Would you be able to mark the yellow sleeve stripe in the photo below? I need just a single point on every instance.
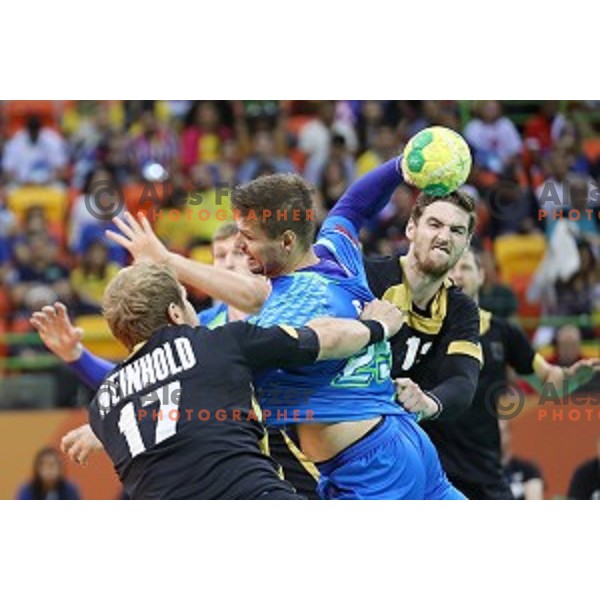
(291, 331)
(538, 363)
(468, 348)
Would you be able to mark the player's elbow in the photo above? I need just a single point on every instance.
(252, 298)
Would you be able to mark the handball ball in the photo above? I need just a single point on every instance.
(437, 160)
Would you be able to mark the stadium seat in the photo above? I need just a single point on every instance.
(202, 254)
(98, 338)
(591, 148)
(54, 202)
(17, 111)
(519, 255)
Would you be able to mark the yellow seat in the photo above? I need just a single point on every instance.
(202, 254)
(519, 255)
(98, 338)
(54, 202)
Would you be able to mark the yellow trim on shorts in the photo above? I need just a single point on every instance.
(308, 465)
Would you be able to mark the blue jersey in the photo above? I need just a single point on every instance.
(215, 316)
(331, 391)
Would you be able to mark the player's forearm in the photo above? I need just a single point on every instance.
(369, 194)
(456, 391)
(244, 292)
(342, 338)
(91, 369)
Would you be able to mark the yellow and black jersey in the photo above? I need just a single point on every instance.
(437, 348)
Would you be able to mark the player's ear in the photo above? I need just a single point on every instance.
(410, 229)
(175, 314)
(288, 240)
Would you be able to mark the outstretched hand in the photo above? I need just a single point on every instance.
(138, 239)
(583, 370)
(79, 443)
(57, 332)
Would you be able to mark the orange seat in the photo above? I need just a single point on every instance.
(17, 111)
(591, 148)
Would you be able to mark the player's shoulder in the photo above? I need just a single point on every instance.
(460, 305)
(383, 272)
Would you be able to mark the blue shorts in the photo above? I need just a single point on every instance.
(394, 461)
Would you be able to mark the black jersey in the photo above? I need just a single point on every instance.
(178, 417)
(438, 348)
(518, 472)
(469, 446)
(585, 484)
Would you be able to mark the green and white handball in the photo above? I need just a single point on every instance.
(436, 160)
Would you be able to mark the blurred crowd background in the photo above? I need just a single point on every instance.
(66, 165)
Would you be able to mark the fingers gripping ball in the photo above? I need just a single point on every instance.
(437, 160)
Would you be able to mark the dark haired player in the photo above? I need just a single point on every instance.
(436, 354)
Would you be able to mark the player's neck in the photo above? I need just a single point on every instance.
(303, 260)
(423, 287)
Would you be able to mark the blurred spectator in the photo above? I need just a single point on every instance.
(202, 141)
(91, 144)
(264, 159)
(567, 346)
(156, 144)
(575, 297)
(386, 234)
(578, 196)
(494, 137)
(585, 482)
(7, 230)
(91, 277)
(100, 195)
(35, 155)
(551, 194)
(48, 481)
(39, 268)
(334, 182)
(494, 296)
(384, 147)
(372, 114)
(524, 477)
(315, 137)
(316, 167)
(513, 208)
(546, 125)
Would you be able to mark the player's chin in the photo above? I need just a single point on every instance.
(438, 263)
(255, 267)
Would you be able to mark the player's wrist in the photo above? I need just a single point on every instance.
(378, 330)
(436, 405)
(73, 355)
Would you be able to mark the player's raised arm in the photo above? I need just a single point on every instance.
(324, 338)
(244, 292)
(369, 194)
(63, 339)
